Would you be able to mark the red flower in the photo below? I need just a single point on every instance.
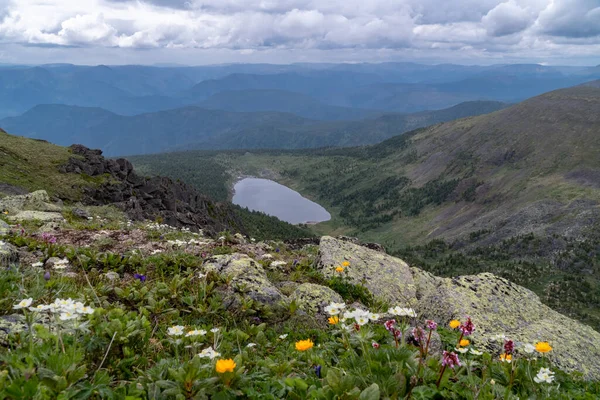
(467, 328)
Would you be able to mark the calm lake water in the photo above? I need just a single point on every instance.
(280, 201)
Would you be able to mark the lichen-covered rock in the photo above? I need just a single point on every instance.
(41, 216)
(387, 278)
(247, 277)
(498, 306)
(4, 228)
(10, 324)
(287, 287)
(35, 201)
(314, 298)
(8, 254)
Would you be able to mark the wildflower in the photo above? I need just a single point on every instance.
(506, 357)
(544, 375)
(461, 350)
(450, 359)
(37, 264)
(432, 325)
(209, 352)
(282, 337)
(334, 308)
(543, 347)
(223, 366)
(318, 371)
(304, 345)
(346, 264)
(250, 345)
(464, 342)
(333, 320)
(196, 332)
(176, 330)
(418, 334)
(214, 330)
(68, 315)
(361, 320)
(47, 275)
(339, 269)
(140, 277)
(476, 352)
(509, 346)
(39, 307)
(276, 264)
(374, 316)
(528, 348)
(5, 212)
(23, 304)
(375, 345)
(82, 309)
(467, 328)
(454, 324)
(267, 256)
(156, 251)
(389, 325)
(492, 382)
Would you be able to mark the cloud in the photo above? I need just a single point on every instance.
(516, 28)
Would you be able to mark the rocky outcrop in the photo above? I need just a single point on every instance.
(387, 277)
(496, 305)
(246, 278)
(314, 298)
(141, 198)
(8, 254)
(32, 206)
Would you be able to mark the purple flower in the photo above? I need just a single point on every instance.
(141, 277)
(450, 359)
(47, 275)
(318, 371)
(467, 328)
(509, 346)
(418, 334)
(295, 263)
(432, 325)
(277, 250)
(48, 238)
(390, 325)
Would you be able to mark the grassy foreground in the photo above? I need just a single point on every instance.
(138, 318)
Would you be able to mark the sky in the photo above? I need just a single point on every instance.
(196, 32)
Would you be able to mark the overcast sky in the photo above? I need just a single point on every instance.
(281, 31)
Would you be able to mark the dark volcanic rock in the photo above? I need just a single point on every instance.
(142, 198)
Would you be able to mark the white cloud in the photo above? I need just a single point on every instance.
(517, 28)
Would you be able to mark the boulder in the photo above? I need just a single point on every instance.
(4, 228)
(35, 201)
(8, 254)
(247, 278)
(11, 324)
(41, 216)
(81, 213)
(496, 305)
(314, 298)
(387, 278)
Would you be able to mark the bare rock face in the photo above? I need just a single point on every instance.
(247, 279)
(496, 305)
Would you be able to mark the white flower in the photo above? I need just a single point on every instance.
(156, 251)
(331, 310)
(209, 352)
(201, 275)
(374, 317)
(23, 304)
(83, 309)
(361, 320)
(283, 336)
(68, 315)
(267, 256)
(251, 345)
(196, 332)
(64, 305)
(402, 312)
(278, 263)
(476, 352)
(461, 350)
(528, 348)
(214, 330)
(176, 330)
(37, 264)
(40, 307)
(221, 238)
(544, 375)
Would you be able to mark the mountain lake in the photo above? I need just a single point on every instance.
(277, 200)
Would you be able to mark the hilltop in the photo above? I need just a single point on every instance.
(515, 192)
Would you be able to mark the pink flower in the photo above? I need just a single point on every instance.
(450, 359)
(375, 345)
(431, 324)
(390, 325)
(418, 334)
(467, 328)
(509, 346)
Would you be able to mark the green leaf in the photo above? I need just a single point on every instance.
(370, 393)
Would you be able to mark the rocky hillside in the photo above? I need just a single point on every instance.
(80, 176)
(149, 309)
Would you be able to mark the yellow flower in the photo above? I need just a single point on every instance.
(505, 357)
(333, 320)
(346, 263)
(5, 212)
(464, 342)
(304, 345)
(543, 347)
(223, 366)
(454, 324)
(339, 269)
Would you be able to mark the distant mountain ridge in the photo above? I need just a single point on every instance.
(198, 128)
